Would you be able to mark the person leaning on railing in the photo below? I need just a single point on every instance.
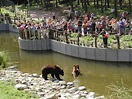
(105, 37)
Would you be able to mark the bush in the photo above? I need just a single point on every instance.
(4, 58)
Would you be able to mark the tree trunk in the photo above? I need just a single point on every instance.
(108, 3)
(88, 2)
(97, 4)
(56, 3)
(120, 3)
(71, 3)
(44, 3)
(94, 3)
(41, 2)
(102, 6)
(82, 4)
(78, 2)
(130, 10)
(105, 1)
(115, 7)
(85, 6)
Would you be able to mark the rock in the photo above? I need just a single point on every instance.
(62, 87)
(12, 67)
(56, 81)
(100, 97)
(83, 94)
(70, 83)
(62, 82)
(41, 93)
(73, 89)
(76, 96)
(52, 96)
(91, 94)
(21, 86)
(35, 75)
(81, 88)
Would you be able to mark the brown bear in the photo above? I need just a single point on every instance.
(53, 70)
(76, 71)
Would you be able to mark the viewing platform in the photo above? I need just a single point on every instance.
(90, 53)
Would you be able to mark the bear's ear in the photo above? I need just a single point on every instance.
(77, 66)
(56, 65)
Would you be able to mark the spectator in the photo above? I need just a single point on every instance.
(53, 15)
(121, 27)
(127, 26)
(105, 37)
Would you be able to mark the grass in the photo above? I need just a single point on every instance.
(4, 58)
(119, 92)
(7, 91)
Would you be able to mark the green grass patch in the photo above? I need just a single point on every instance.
(8, 91)
(4, 58)
(119, 91)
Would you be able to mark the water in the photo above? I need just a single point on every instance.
(95, 75)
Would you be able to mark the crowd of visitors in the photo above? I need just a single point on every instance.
(5, 18)
(84, 25)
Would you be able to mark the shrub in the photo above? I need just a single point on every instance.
(4, 58)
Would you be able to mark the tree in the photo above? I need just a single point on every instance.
(85, 6)
(115, 7)
(97, 4)
(71, 3)
(102, 6)
(108, 3)
(120, 3)
(56, 3)
(130, 10)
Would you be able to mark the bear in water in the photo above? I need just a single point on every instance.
(76, 71)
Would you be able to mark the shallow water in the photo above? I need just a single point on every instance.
(95, 75)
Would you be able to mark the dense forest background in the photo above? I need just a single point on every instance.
(102, 5)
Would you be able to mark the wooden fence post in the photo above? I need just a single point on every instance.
(118, 41)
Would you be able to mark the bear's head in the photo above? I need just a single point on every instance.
(62, 72)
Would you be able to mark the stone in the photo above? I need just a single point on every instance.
(35, 75)
(73, 89)
(76, 96)
(100, 97)
(41, 93)
(62, 82)
(70, 83)
(62, 87)
(12, 67)
(21, 86)
(81, 88)
(51, 96)
(91, 94)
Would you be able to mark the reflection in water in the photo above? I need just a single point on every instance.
(95, 75)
